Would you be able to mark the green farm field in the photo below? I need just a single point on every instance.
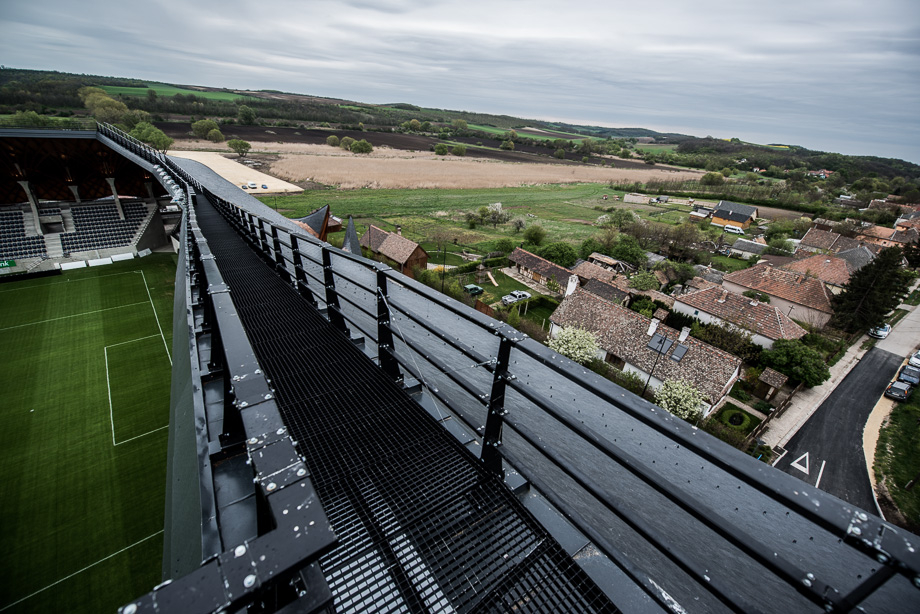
(86, 409)
(566, 211)
(169, 90)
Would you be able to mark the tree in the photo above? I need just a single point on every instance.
(496, 215)
(575, 343)
(912, 254)
(245, 115)
(681, 398)
(215, 136)
(133, 118)
(621, 217)
(239, 146)
(517, 225)
(712, 178)
(627, 249)
(757, 296)
(872, 292)
(507, 145)
(346, 142)
(644, 281)
(332, 140)
(458, 150)
(505, 246)
(148, 133)
(559, 252)
(459, 125)
(441, 149)
(202, 127)
(514, 317)
(534, 234)
(559, 154)
(793, 358)
(361, 147)
(471, 219)
(415, 125)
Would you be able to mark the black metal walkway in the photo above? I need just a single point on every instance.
(421, 525)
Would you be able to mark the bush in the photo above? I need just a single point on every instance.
(216, 136)
(505, 246)
(469, 267)
(644, 281)
(797, 361)
(559, 154)
(458, 150)
(361, 147)
(332, 140)
(679, 397)
(575, 343)
(346, 142)
(630, 380)
(440, 149)
(559, 252)
(202, 128)
(240, 146)
(534, 234)
(507, 145)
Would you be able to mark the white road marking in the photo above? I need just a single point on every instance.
(776, 462)
(820, 473)
(796, 464)
(7, 607)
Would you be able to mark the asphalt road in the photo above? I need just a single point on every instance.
(827, 452)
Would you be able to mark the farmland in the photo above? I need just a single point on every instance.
(170, 90)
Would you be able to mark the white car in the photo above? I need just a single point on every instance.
(253, 185)
(914, 360)
(880, 332)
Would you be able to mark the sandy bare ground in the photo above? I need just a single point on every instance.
(237, 173)
(395, 168)
(425, 170)
(870, 435)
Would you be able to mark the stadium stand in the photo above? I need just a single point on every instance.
(13, 240)
(99, 227)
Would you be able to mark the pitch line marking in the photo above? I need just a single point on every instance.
(77, 315)
(102, 560)
(108, 387)
(67, 281)
(152, 306)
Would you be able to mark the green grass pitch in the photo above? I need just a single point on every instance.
(85, 406)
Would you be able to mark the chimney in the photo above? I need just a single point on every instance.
(399, 230)
(684, 333)
(572, 285)
(723, 297)
(653, 326)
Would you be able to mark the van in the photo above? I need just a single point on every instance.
(253, 185)
(734, 230)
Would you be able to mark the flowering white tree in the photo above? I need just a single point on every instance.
(680, 397)
(575, 343)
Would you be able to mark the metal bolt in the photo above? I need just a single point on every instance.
(253, 440)
(129, 609)
(882, 558)
(810, 576)
(301, 472)
(249, 581)
(828, 607)
(806, 582)
(280, 431)
(856, 531)
(271, 486)
(239, 551)
(917, 581)
(862, 516)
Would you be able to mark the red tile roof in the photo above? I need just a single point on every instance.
(760, 318)
(540, 265)
(395, 247)
(827, 268)
(787, 285)
(623, 333)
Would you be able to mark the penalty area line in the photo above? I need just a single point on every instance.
(102, 560)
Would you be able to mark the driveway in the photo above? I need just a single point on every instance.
(827, 451)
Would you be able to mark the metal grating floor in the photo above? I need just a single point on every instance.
(421, 526)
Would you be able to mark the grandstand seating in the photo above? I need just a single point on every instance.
(99, 227)
(13, 240)
(50, 211)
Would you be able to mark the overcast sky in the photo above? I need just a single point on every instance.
(834, 75)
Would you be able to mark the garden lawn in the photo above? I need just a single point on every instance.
(86, 411)
(897, 457)
(726, 264)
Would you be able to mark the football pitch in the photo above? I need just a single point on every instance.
(85, 409)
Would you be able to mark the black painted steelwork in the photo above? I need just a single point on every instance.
(857, 561)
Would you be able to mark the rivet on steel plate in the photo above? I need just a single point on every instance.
(271, 486)
(249, 581)
(239, 551)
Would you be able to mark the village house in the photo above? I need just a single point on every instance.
(396, 248)
(539, 269)
(823, 241)
(743, 248)
(763, 321)
(727, 213)
(799, 296)
(638, 344)
(833, 271)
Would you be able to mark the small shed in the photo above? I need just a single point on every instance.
(770, 382)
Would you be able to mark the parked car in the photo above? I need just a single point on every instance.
(909, 375)
(914, 360)
(253, 185)
(515, 296)
(880, 332)
(472, 289)
(244, 186)
(899, 391)
(735, 230)
(264, 187)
